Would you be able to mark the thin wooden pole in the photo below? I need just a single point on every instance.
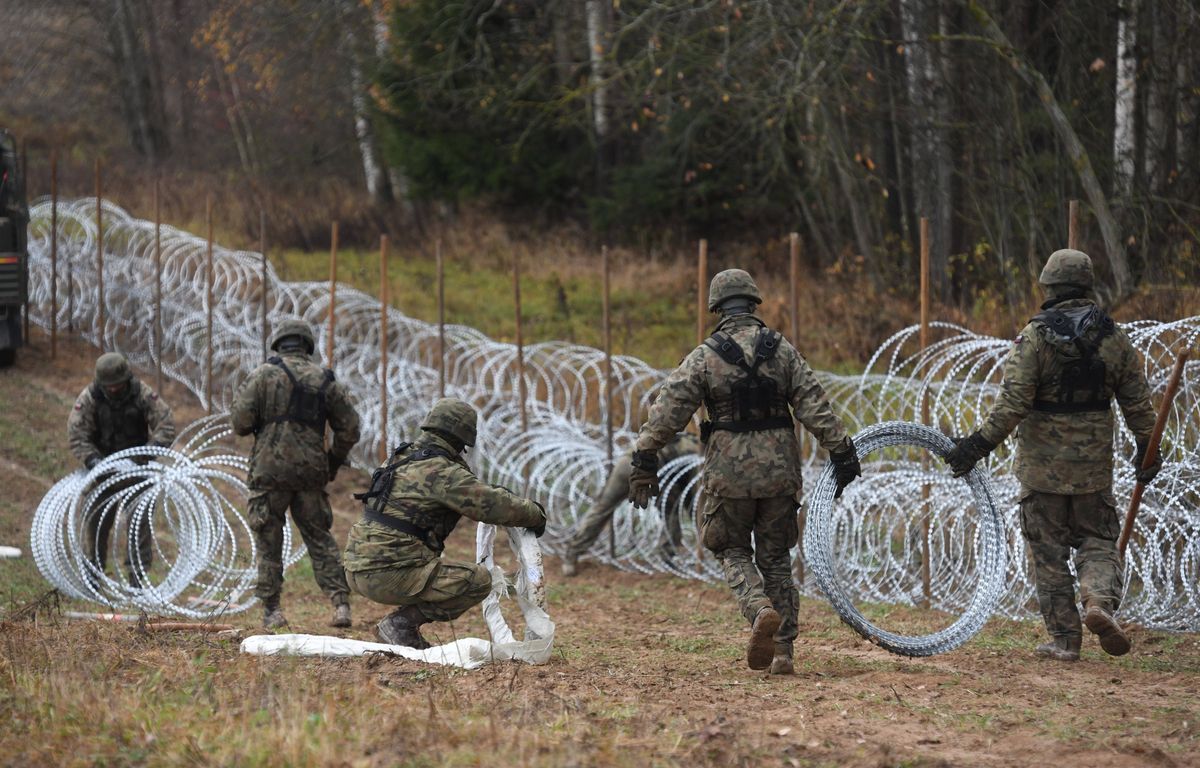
(208, 304)
(926, 576)
(383, 347)
(1160, 425)
(1073, 224)
(606, 388)
(25, 195)
(333, 254)
(441, 315)
(158, 285)
(266, 288)
(701, 292)
(522, 395)
(794, 280)
(53, 253)
(99, 260)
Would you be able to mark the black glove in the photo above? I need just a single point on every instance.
(845, 466)
(540, 528)
(334, 465)
(1147, 475)
(91, 461)
(967, 452)
(643, 478)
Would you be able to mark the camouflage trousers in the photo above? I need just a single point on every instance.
(98, 528)
(1054, 524)
(313, 517)
(615, 491)
(761, 576)
(453, 587)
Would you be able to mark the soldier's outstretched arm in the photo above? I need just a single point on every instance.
(1017, 391)
(159, 420)
(678, 398)
(1133, 393)
(343, 419)
(81, 426)
(811, 406)
(243, 413)
(464, 493)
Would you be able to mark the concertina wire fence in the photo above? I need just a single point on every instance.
(870, 542)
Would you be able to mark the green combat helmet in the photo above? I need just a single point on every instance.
(293, 327)
(1068, 267)
(454, 418)
(112, 369)
(730, 284)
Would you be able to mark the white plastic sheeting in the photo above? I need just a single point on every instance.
(467, 652)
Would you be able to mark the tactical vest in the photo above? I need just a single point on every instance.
(430, 527)
(121, 424)
(1083, 385)
(754, 403)
(305, 405)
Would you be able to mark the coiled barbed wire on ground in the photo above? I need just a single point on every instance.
(190, 497)
(560, 459)
(973, 540)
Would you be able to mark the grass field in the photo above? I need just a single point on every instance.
(647, 670)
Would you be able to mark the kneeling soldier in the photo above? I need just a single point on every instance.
(393, 554)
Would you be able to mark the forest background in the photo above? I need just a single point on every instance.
(542, 130)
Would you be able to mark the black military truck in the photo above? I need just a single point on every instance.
(14, 260)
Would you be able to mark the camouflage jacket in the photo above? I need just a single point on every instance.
(434, 494)
(1067, 453)
(288, 455)
(742, 465)
(100, 427)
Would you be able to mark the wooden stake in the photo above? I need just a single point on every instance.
(99, 260)
(157, 286)
(441, 315)
(1160, 425)
(208, 303)
(1073, 224)
(333, 253)
(926, 584)
(25, 195)
(522, 395)
(701, 292)
(266, 288)
(383, 347)
(606, 387)
(53, 253)
(794, 279)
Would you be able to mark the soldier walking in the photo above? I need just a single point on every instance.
(755, 386)
(394, 553)
(1064, 370)
(616, 490)
(117, 411)
(286, 404)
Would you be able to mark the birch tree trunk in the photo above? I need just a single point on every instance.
(1156, 137)
(359, 58)
(599, 14)
(929, 145)
(1124, 136)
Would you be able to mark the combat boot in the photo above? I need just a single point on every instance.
(1061, 648)
(341, 615)
(401, 627)
(1100, 622)
(570, 562)
(782, 663)
(273, 618)
(761, 649)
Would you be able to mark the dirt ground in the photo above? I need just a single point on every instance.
(648, 670)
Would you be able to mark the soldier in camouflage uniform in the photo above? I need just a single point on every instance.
(117, 411)
(394, 553)
(286, 404)
(755, 385)
(1064, 370)
(616, 489)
